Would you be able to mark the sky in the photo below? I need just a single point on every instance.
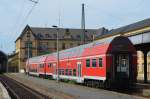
(111, 14)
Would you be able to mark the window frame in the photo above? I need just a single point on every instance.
(70, 72)
(59, 71)
(95, 62)
(74, 72)
(49, 65)
(66, 72)
(101, 62)
(63, 45)
(89, 64)
(62, 72)
(41, 65)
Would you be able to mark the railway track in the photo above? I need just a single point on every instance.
(19, 91)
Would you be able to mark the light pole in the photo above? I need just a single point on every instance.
(28, 45)
(57, 51)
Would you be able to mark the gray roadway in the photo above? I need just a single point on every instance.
(80, 92)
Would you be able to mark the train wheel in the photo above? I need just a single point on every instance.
(40, 75)
(89, 83)
(107, 85)
(97, 84)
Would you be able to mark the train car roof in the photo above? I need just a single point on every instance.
(71, 52)
(77, 51)
(38, 59)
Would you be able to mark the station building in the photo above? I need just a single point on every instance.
(34, 41)
(13, 62)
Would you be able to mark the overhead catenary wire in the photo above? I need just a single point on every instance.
(30, 11)
(25, 19)
(15, 25)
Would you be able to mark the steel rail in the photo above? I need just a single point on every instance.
(28, 89)
(33, 92)
(9, 89)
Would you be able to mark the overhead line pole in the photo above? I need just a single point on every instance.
(57, 30)
(57, 70)
(83, 23)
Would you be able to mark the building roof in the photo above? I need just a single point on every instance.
(77, 34)
(128, 28)
(64, 33)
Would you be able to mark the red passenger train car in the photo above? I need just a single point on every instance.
(109, 61)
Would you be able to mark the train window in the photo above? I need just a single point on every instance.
(59, 71)
(70, 72)
(74, 72)
(100, 62)
(41, 66)
(62, 72)
(49, 65)
(66, 72)
(124, 62)
(87, 62)
(93, 62)
(56, 71)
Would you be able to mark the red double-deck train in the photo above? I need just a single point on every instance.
(108, 61)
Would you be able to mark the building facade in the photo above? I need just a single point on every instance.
(35, 41)
(13, 62)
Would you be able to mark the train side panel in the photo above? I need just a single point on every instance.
(68, 69)
(95, 71)
(33, 69)
(49, 69)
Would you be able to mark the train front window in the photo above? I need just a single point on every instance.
(123, 63)
(87, 62)
(93, 62)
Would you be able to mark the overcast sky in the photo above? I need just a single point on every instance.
(14, 15)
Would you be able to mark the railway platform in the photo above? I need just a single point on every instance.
(3, 92)
(71, 91)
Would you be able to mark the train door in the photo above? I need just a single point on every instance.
(54, 70)
(79, 67)
(122, 66)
